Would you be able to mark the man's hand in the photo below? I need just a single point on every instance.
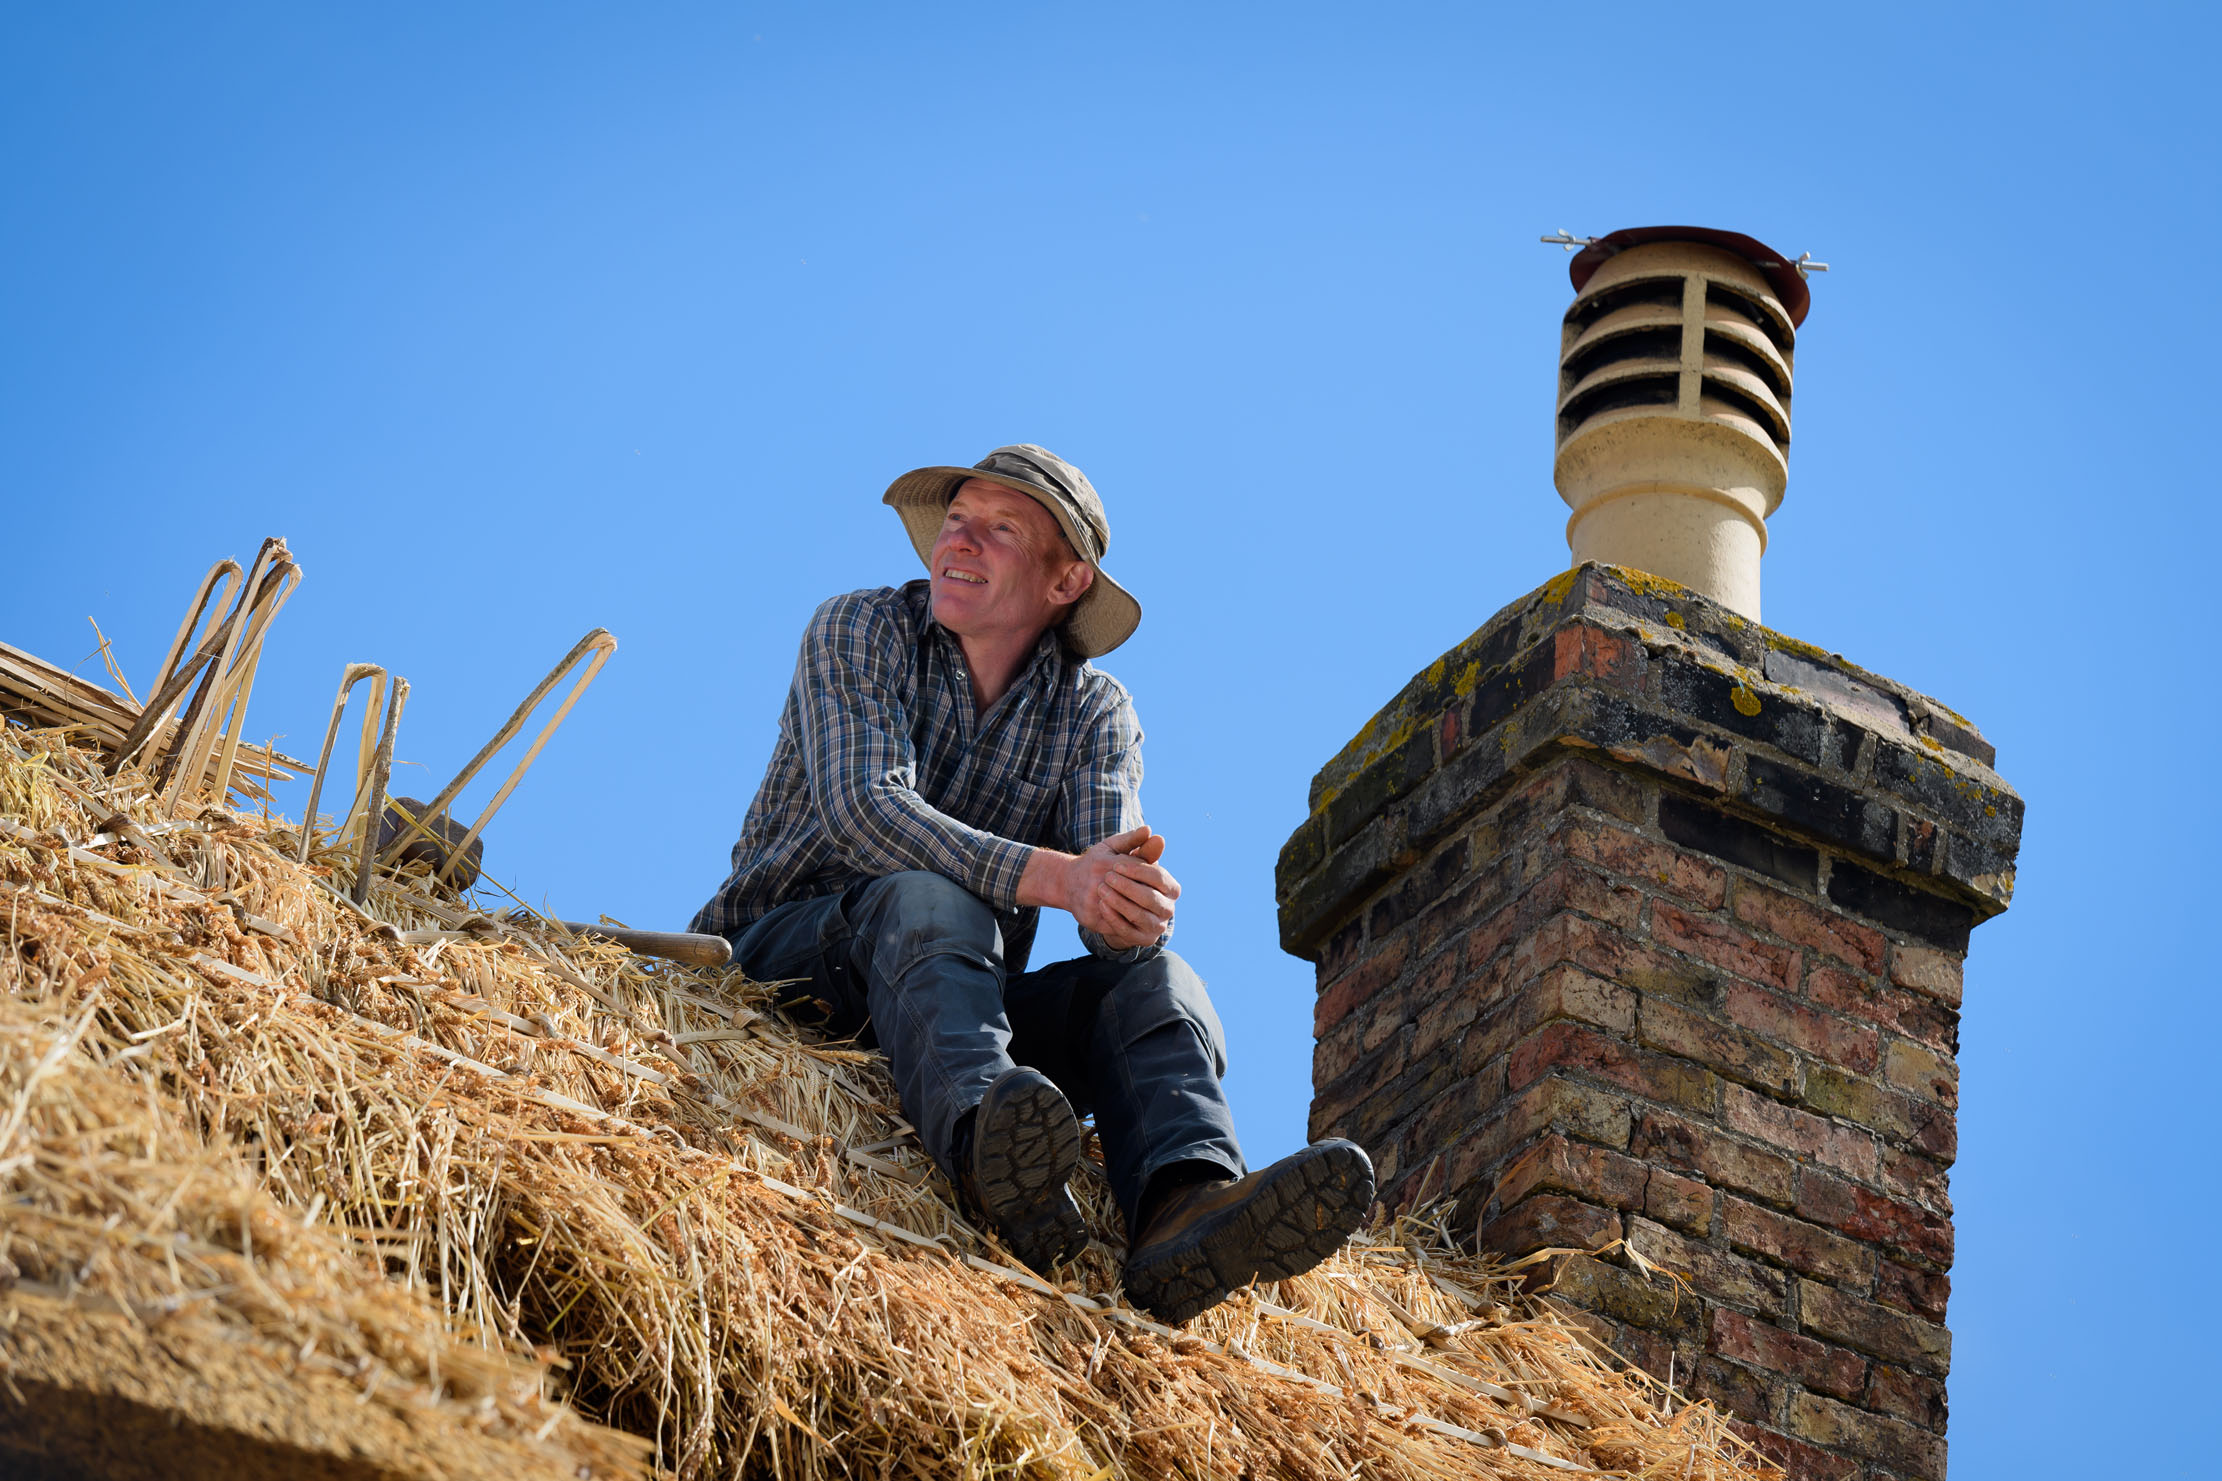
(1116, 889)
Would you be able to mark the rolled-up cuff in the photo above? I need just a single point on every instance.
(1098, 947)
(996, 871)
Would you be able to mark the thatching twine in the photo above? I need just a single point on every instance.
(502, 1179)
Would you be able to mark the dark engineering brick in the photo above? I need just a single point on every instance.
(1711, 831)
(1940, 922)
(1727, 701)
(1821, 807)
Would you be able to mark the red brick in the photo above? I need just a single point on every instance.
(1566, 887)
(1652, 1303)
(1866, 1214)
(1806, 1248)
(1922, 1070)
(1598, 654)
(1601, 1334)
(1832, 1370)
(1551, 1221)
(1861, 997)
(1578, 1110)
(1594, 894)
(1381, 1020)
(1787, 1021)
(1710, 1270)
(1581, 1049)
(1797, 1460)
(1736, 1054)
(1445, 1018)
(1336, 1052)
(1489, 1038)
(1875, 1437)
(1817, 1138)
(1922, 1292)
(1808, 925)
(1671, 1141)
(1608, 953)
(1356, 985)
(1648, 1351)
(1743, 1393)
(1557, 1165)
(1342, 949)
(1670, 869)
(1915, 1178)
(1451, 919)
(1682, 1202)
(1724, 946)
(1569, 992)
(1441, 1121)
(1908, 1396)
(1400, 1185)
(1922, 1125)
(1435, 977)
(1927, 970)
(1878, 1331)
(1338, 1101)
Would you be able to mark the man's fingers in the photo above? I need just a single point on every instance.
(1129, 841)
(1134, 913)
(1140, 893)
(1147, 874)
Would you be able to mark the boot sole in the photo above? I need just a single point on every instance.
(1026, 1145)
(1300, 1214)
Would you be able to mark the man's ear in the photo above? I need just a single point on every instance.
(1073, 583)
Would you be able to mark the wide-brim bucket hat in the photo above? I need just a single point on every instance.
(1106, 614)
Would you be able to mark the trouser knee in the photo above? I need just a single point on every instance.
(1165, 990)
(918, 912)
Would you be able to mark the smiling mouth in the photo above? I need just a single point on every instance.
(953, 574)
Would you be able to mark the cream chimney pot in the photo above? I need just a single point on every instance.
(1674, 405)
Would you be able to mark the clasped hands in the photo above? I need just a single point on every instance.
(1116, 889)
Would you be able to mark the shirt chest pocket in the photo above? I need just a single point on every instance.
(1025, 812)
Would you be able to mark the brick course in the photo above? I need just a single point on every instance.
(1631, 926)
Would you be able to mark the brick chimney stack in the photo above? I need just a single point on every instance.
(1637, 921)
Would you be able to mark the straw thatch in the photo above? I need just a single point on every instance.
(412, 1190)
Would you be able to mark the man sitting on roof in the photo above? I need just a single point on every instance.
(949, 762)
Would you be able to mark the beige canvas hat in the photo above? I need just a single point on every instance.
(1103, 618)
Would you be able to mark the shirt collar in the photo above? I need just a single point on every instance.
(1049, 648)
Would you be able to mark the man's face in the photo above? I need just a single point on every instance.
(1001, 566)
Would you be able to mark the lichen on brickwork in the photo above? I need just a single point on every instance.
(1648, 584)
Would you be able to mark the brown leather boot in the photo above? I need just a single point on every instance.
(1210, 1238)
(1025, 1144)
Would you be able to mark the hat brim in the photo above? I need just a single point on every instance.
(1106, 614)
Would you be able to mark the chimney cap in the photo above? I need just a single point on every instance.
(1781, 272)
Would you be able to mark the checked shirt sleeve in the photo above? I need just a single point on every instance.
(863, 774)
(1103, 797)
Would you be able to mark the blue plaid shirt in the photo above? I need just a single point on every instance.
(883, 765)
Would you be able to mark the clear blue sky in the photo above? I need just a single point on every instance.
(518, 320)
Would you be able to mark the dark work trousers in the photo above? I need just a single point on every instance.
(916, 962)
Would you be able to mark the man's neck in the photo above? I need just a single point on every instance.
(994, 664)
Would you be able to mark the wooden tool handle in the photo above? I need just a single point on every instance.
(676, 946)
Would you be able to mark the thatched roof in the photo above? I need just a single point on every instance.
(405, 1190)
